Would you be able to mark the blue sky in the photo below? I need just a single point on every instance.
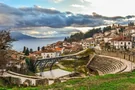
(104, 7)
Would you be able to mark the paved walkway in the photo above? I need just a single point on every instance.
(21, 77)
(130, 65)
(61, 66)
(53, 74)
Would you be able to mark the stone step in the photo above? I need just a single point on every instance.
(106, 65)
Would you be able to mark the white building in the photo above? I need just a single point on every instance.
(88, 43)
(49, 54)
(121, 43)
(98, 37)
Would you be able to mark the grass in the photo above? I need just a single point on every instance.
(71, 64)
(125, 81)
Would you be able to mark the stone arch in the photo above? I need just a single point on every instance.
(27, 82)
(15, 81)
(57, 80)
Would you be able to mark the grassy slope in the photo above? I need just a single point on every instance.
(108, 82)
(124, 81)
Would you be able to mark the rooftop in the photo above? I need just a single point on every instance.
(121, 38)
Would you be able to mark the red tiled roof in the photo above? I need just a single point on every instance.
(37, 52)
(121, 38)
(58, 49)
(130, 28)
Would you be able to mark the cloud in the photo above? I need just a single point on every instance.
(83, 1)
(57, 1)
(38, 16)
(78, 6)
(52, 8)
(47, 32)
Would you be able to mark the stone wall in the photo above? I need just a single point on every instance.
(42, 82)
(122, 55)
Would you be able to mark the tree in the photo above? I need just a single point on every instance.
(38, 48)
(131, 24)
(122, 29)
(27, 52)
(24, 49)
(5, 46)
(31, 50)
(31, 64)
(65, 39)
(107, 46)
(108, 28)
(43, 48)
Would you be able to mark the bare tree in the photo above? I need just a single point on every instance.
(5, 45)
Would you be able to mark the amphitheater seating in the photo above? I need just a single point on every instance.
(106, 65)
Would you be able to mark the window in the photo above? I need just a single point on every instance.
(121, 42)
(128, 42)
(48, 56)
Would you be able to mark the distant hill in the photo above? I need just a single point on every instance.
(19, 36)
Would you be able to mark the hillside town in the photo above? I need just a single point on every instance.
(28, 62)
(112, 39)
(67, 45)
(119, 38)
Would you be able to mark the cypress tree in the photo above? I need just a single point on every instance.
(31, 50)
(24, 49)
(27, 52)
(38, 48)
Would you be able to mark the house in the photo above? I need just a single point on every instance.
(88, 43)
(121, 42)
(115, 26)
(36, 54)
(133, 39)
(49, 54)
(66, 44)
(107, 33)
(98, 37)
(129, 31)
(58, 49)
(59, 44)
(110, 36)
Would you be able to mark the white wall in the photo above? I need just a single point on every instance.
(121, 44)
(50, 55)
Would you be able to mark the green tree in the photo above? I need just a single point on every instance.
(131, 24)
(31, 50)
(38, 48)
(107, 46)
(30, 63)
(65, 39)
(24, 49)
(122, 29)
(27, 52)
(108, 28)
(43, 48)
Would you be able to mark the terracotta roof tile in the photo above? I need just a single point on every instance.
(121, 38)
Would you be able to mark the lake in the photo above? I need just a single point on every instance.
(32, 37)
(34, 43)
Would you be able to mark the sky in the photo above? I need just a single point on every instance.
(103, 7)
